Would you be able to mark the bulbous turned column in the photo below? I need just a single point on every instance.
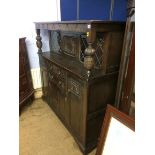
(88, 59)
(39, 42)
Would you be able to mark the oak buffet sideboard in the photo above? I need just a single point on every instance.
(79, 73)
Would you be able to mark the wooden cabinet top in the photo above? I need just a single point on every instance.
(82, 25)
(83, 21)
(97, 44)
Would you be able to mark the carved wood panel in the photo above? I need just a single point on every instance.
(74, 86)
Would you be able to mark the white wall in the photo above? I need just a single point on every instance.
(33, 11)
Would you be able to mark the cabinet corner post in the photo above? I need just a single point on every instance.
(89, 60)
(39, 42)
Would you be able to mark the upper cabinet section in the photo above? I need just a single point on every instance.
(96, 45)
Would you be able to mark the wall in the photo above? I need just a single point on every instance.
(98, 10)
(93, 10)
(119, 10)
(68, 9)
(33, 11)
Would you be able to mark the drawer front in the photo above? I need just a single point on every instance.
(58, 77)
(58, 72)
(62, 74)
(56, 69)
(52, 77)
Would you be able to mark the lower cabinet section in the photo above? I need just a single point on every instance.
(79, 103)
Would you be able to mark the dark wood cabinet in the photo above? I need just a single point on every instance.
(26, 90)
(79, 73)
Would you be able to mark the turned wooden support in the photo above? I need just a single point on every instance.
(89, 60)
(38, 42)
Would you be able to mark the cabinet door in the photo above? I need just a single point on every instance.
(53, 96)
(75, 103)
(75, 112)
(61, 104)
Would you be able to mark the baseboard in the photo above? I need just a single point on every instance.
(36, 78)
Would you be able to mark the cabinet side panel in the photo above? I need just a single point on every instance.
(115, 51)
(101, 92)
(94, 125)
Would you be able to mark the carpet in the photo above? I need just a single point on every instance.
(42, 133)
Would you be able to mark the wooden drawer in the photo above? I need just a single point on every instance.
(61, 84)
(61, 74)
(57, 72)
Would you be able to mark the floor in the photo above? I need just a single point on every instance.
(42, 133)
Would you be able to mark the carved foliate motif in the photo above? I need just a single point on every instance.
(74, 87)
